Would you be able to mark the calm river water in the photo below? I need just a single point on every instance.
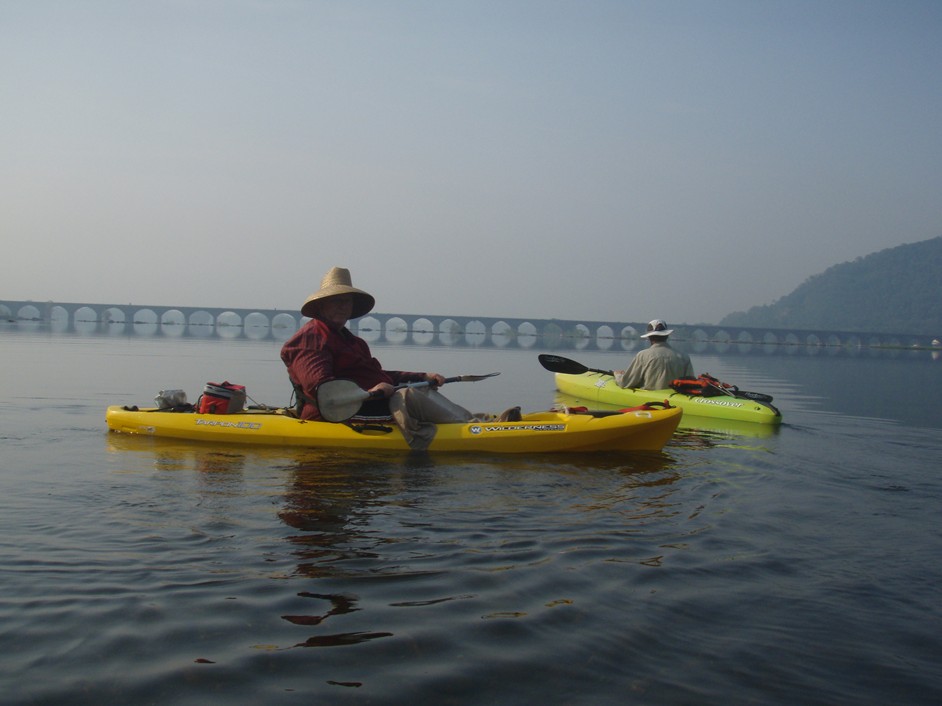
(800, 566)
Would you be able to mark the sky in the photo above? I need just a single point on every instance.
(590, 159)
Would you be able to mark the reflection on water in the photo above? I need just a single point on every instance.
(422, 523)
(338, 605)
(440, 528)
(330, 499)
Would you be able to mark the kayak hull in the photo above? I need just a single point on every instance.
(597, 387)
(640, 430)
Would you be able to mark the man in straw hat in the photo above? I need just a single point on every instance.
(325, 349)
(655, 367)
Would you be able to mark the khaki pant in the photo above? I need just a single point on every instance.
(418, 409)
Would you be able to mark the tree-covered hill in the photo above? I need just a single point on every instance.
(898, 290)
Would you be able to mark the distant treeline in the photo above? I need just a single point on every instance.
(898, 290)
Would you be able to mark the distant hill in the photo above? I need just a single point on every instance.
(898, 290)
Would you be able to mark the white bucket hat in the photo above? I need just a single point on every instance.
(657, 327)
(337, 282)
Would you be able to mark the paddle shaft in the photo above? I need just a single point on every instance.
(338, 400)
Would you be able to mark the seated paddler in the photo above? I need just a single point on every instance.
(325, 349)
(655, 367)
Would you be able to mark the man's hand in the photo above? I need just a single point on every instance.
(435, 379)
(382, 389)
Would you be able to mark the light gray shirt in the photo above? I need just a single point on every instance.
(655, 367)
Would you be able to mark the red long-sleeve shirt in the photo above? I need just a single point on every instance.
(317, 353)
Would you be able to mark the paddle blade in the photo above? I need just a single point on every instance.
(338, 400)
(470, 378)
(755, 396)
(558, 364)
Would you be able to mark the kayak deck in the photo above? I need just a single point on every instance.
(538, 432)
(598, 387)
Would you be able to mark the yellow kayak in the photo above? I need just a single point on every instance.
(539, 432)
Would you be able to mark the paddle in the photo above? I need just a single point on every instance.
(338, 400)
(558, 364)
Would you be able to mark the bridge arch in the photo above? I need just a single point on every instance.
(423, 331)
(396, 330)
(628, 337)
(60, 321)
(256, 326)
(369, 329)
(284, 325)
(145, 322)
(475, 333)
(449, 332)
(201, 324)
(526, 335)
(228, 325)
(552, 335)
(114, 321)
(85, 320)
(29, 312)
(502, 334)
(581, 337)
(604, 337)
(173, 323)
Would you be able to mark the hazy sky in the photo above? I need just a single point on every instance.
(588, 159)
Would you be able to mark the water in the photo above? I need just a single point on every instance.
(792, 566)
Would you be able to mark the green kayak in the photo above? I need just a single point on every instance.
(597, 386)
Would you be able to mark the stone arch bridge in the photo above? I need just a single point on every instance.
(425, 330)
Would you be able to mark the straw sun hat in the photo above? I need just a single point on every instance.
(335, 282)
